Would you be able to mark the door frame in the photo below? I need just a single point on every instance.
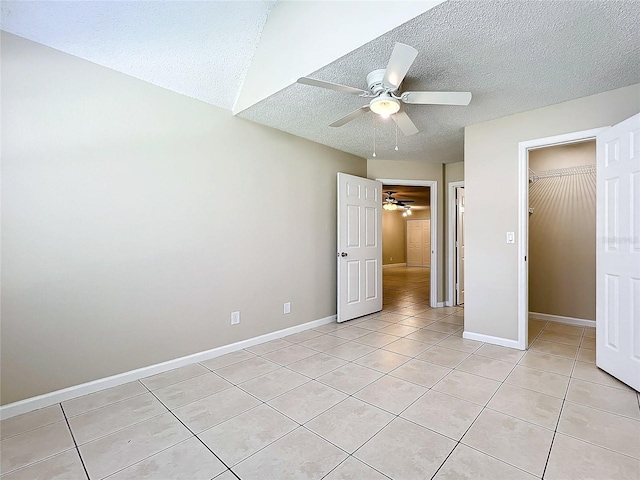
(433, 193)
(451, 233)
(523, 218)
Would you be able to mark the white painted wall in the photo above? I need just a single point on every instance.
(135, 219)
(287, 51)
(491, 191)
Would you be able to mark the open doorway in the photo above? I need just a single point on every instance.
(408, 244)
(562, 244)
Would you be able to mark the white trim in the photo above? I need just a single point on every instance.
(559, 319)
(503, 342)
(48, 399)
(433, 189)
(451, 223)
(523, 217)
(440, 304)
(395, 265)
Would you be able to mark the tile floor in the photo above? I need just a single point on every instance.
(397, 395)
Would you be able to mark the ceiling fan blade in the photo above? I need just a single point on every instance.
(331, 86)
(401, 60)
(437, 98)
(406, 201)
(404, 123)
(352, 116)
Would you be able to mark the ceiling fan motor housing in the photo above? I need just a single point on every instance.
(374, 81)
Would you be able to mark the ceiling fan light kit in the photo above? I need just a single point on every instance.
(384, 91)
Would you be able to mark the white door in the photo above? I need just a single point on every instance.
(414, 243)
(460, 246)
(426, 243)
(359, 247)
(618, 251)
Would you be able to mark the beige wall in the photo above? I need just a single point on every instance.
(562, 234)
(394, 238)
(491, 189)
(134, 220)
(408, 170)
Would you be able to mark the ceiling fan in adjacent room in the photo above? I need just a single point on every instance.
(391, 203)
(384, 92)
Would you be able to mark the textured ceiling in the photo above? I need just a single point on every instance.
(513, 56)
(198, 48)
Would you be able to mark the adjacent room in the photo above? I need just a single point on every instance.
(235, 245)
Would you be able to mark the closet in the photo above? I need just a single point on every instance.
(419, 243)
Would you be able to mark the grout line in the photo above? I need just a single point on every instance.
(73, 437)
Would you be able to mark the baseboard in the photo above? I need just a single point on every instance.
(395, 265)
(48, 399)
(559, 319)
(503, 342)
(440, 304)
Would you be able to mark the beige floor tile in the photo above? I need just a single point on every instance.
(214, 409)
(291, 354)
(391, 394)
(374, 324)
(302, 336)
(274, 383)
(349, 333)
(443, 327)
(350, 423)
(64, 466)
(376, 339)
(586, 355)
(432, 314)
(589, 372)
(454, 320)
(588, 342)
(486, 367)
(226, 476)
(410, 451)
(604, 429)
(443, 356)
(511, 440)
(333, 326)
(121, 449)
(268, 347)
(505, 354)
(442, 413)
(174, 376)
(573, 459)
(242, 436)
(564, 328)
(413, 310)
(228, 359)
(422, 373)
(350, 378)
(352, 469)
(396, 316)
(350, 351)
(590, 332)
(410, 348)
(317, 365)
(299, 455)
(247, 369)
(552, 348)
(557, 337)
(187, 460)
(416, 322)
(534, 407)
(548, 363)
(23, 449)
(382, 360)
(427, 336)
(30, 421)
(468, 387)
(539, 381)
(399, 330)
(461, 344)
(323, 343)
(307, 401)
(182, 393)
(468, 464)
(116, 416)
(99, 399)
(610, 399)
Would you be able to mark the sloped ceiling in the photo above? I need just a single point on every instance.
(513, 55)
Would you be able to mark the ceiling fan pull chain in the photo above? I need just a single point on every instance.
(396, 134)
(374, 137)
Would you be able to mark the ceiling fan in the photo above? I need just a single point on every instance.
(384, 91)
(392, 203)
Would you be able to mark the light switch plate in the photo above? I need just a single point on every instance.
(287, 307)
(511, 237)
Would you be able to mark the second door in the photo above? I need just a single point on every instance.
(418, 243)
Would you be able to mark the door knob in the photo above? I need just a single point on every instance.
(343, 254)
